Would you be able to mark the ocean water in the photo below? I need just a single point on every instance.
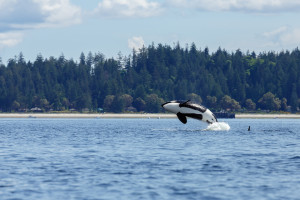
(149, 159)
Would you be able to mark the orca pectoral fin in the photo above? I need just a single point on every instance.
(182, 118)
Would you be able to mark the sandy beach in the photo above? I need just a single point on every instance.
(134, 115)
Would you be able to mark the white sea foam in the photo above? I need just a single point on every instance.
(218, 126)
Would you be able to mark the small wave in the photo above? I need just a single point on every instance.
(218, 126)
(165, 129)
(295, 158)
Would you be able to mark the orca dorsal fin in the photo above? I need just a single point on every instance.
(182, 118)
(182, 104)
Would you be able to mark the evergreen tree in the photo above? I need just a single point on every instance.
(294, 98)
(266, 80)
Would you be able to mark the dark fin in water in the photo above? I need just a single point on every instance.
(182, 118)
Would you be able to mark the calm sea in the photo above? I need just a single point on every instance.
(89, 159)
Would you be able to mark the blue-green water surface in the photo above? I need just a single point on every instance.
(148, 159)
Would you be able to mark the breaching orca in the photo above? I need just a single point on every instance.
(184, 109)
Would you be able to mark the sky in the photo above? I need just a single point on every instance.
(70, 27)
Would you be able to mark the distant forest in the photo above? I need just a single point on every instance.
(143, 80)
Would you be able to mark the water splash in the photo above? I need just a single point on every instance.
(218, 126)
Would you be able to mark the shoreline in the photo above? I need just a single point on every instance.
(135, 115)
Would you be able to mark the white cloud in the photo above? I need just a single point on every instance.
(10, 39)
(136, 43)
(18, 15)
(239, 5)
(275, 32)
(28, 14)
(127, 8)
(60, 12)
(291, 38)
(283, 37)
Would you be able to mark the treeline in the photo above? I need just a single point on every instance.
(148, 77)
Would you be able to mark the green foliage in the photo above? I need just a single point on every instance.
(139, 104)
(294, 98)
(194, 97)
(211, 102)
(108, 101)
(15, 106)
(144, 78)
(127, 99)
(269, 102)
(117, 105)
(250, 105)
(228, 103)
(153, 103)
(284, 105)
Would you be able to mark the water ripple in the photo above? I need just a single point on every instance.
(148, 159)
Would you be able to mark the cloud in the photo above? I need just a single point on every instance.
(60, 12)
(291, 37)
(284, 37)
(275, 32)
(260, 6)
(136, 43)
(10, 39)
(127, 8)
(30, 14)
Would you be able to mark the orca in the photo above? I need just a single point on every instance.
(184, 109)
